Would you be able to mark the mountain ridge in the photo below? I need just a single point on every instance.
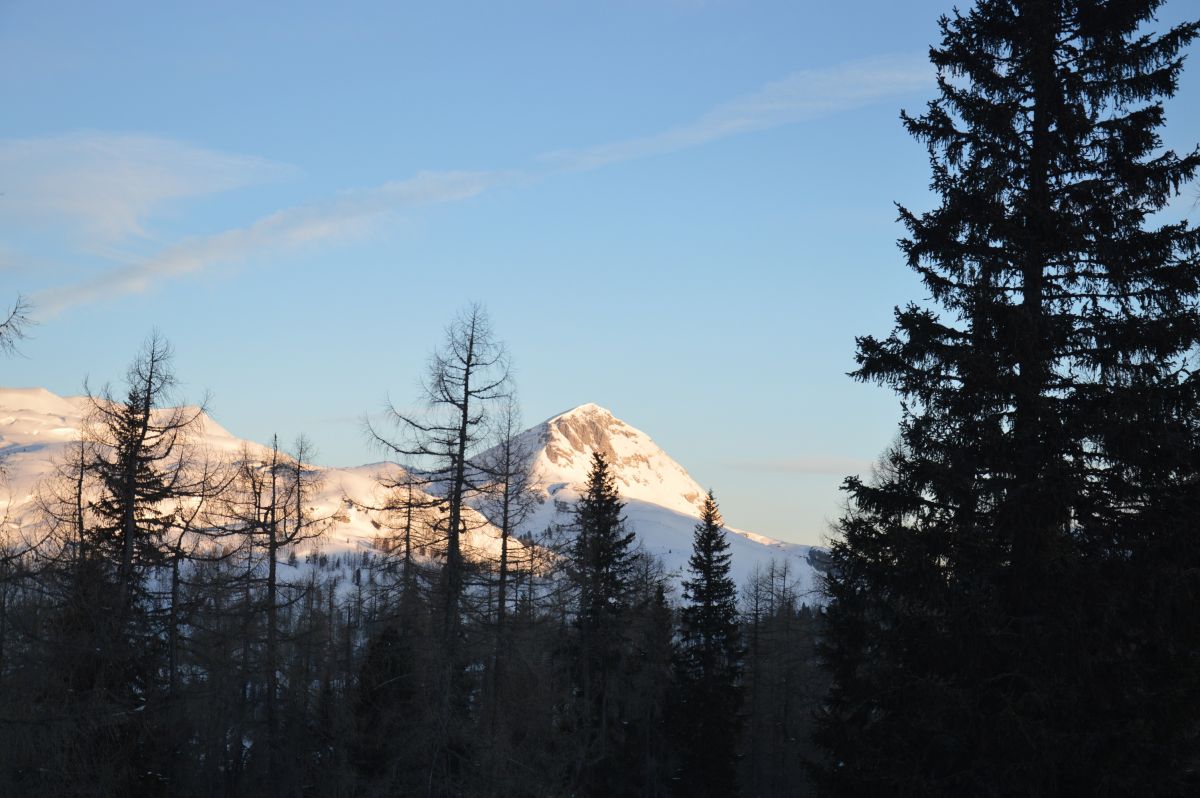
(662, 501)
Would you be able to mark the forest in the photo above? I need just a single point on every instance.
(172, 625)
(1009, 602)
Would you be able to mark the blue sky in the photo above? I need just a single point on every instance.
(681, 210)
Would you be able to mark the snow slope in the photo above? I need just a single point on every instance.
(663, 502)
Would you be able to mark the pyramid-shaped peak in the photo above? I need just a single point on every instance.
(586, 409)
(587, 428)
(564, 445)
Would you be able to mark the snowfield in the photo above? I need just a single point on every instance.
(663, 502)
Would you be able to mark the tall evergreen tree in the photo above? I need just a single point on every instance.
(709, 663)
(108, 642)
(1013, 595)
(601, 568)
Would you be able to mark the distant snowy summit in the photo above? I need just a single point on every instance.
(663, 502)
(644, 472)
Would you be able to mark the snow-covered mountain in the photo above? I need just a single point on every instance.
(662, 500)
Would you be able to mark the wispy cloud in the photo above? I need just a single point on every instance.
(107, 185)
(346, 214)
(821, 464)
(111, 186)
(803, 95)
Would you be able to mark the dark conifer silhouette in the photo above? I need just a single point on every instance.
(709, 664)
(1010, 594)
(602, 566)
(110, 666)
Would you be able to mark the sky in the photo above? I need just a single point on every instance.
(682, 210)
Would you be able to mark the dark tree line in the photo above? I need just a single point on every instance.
(171, 624)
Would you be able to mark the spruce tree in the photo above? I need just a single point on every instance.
(603, 558)
(1013, 596)
(709, 664)
(601, 569)
(108, 640)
